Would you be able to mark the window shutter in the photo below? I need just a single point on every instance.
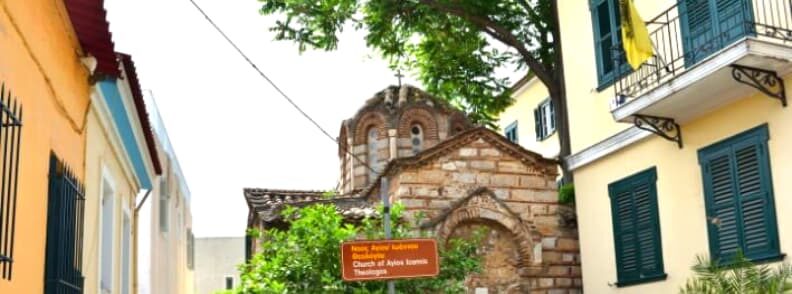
(627, 254)
(636, 228)
(757, 217)
(647, 226)
(739, 198)
(722, 220)
(698, 30)
(538, 123)
(552, 116)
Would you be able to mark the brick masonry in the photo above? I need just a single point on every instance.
(527, 249)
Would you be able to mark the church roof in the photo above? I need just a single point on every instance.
(267, 204)
(458, 141)
(396, 97)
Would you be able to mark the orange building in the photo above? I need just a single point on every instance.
(53, 51)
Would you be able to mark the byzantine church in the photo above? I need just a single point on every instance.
(461, 177)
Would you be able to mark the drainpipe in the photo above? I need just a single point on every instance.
(135, 242)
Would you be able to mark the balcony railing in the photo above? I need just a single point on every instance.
(681, 42)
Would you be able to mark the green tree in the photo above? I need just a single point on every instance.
(305, 258)
(741, 276)
(452, 45)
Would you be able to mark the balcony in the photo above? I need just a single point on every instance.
(708, 53)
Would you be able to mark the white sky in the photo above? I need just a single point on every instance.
(229, 128)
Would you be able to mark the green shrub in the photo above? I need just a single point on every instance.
(566, 194)
(306, 257)
(741, 276)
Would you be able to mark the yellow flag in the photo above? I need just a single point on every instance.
(635, 36)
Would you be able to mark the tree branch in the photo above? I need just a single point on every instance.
(501, 34)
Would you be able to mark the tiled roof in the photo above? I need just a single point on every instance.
(268, 203)
(89, 20)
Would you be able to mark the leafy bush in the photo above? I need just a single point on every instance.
(739, 277)
(566, 194)
(306, 257)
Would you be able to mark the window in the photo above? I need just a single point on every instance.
(63, 261)
(416, 138)
(636, 229)
(108, 207)
(229, 282)
(164, 204)
(739, 197)
(708, 26)
(190, 249)
(10, 130)
(544, 120)
(373, 159)
(607, 40)
(511, 132)
(126, 264)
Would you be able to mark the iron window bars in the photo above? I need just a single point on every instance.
(63, 272)
(10, 135)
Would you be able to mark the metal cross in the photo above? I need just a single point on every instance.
(399, 76)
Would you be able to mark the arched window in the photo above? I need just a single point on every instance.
(372, 153)
(416, 138)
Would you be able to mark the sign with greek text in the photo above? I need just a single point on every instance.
(389, 259)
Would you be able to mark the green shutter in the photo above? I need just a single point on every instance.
(710, 25)
(739, 198)
(538, 121)
(722, 208)
(636, 228)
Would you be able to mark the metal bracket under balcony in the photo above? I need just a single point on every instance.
(766, 81)
(664, 127)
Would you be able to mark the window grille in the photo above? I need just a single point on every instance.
(63, 265)
(10, 137)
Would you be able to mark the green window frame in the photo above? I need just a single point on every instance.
(738, 193)
(511, 132)
(636, 229)
(606, 24)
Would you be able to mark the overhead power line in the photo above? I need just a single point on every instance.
(283, 94)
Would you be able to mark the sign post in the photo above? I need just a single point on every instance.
(386, 219)
(389, 259)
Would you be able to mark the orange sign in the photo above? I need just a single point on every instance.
(389, 259)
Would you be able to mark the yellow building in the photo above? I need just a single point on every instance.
(686, 155)
(40, 66)
(121, 161)
(530, 121)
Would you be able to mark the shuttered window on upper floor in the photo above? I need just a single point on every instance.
(607, 40)
(636, 229)
(544, 120)
(511, 132)
(710, 25)
(739, 197)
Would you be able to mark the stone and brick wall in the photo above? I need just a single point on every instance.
(479, 185)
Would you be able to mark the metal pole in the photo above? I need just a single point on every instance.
(386, 219)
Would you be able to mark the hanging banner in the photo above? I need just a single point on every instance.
(389, 259)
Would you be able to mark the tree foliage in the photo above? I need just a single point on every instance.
(741, 276)
(306, 257)
(453, 46)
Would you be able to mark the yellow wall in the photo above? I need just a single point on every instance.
(526, 99)
(680, 195)
(103, 160)
(587, 106)
(679, 192)
(40, 64)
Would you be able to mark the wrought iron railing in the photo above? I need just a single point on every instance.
(63, 272)
(679, 47)
(10, 136)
